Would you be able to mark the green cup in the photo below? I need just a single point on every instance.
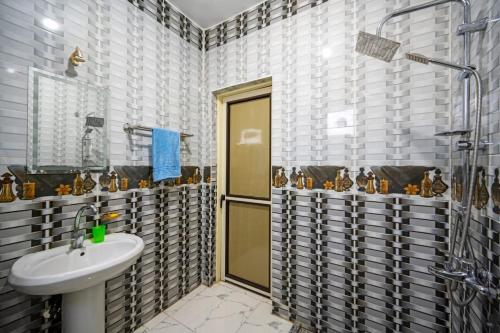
(98, 233)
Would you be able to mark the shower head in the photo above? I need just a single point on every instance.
(376, 46)
(426, 60)
(418, 58)
(384, 49)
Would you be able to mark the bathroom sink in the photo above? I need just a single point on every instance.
(60, 271)
(79, 275)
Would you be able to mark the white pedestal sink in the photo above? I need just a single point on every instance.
(79, 275)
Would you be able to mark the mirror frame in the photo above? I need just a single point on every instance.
(32, 126)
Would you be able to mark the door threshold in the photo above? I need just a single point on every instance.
(247, 287)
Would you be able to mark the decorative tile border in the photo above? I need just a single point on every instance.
(45, 184)
(254, 19)
(398, 177)
(168, 16)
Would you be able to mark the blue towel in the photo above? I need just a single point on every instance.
(166, 154)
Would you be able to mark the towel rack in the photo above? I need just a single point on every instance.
(131, 128)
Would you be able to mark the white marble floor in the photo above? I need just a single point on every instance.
(222, 308)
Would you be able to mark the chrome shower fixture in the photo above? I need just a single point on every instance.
(479, 25)
(475, 145)
(376, 47)
(465, 272)
(417, 58)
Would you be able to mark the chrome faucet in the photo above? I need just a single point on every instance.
(78, 236)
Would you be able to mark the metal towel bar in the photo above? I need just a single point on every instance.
(130, 128)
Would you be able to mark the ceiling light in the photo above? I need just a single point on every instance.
(10, 70)
(326, 52)
(50, 24)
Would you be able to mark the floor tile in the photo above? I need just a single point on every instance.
(196, 311)
(222, 308)
(169, 325)
(156, 320)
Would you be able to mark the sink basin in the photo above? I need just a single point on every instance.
(60, 271)
(79, 275)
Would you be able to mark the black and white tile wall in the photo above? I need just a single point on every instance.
(340, 261)
(148, 54)
(332, 106)
(177, 225)
(358, 263)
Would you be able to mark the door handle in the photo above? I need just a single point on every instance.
(222, 199)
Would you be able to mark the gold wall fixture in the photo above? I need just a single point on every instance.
(78, 185)
(438, 185)
(88, 183)
(277, 179)
(411, 189)
(370, 183)
(76, 57)
(309, 183)
(29, 189)
(113, 186)
(6, 193)
(300, 181)
(328, 185)
(426, 186)
(384, 186)
(197, 176)
(481, 195)
(63, 189)
(361, 180)
(104, 181)
(339, 182)
(123, 183)
(495, 193)
(346, 180)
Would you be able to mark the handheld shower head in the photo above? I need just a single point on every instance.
(426, 60)
(376, 46)
(418, 58)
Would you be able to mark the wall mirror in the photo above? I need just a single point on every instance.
(67, 125)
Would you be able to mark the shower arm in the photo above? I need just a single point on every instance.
(411, 9)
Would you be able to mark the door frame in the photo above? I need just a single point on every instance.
(223, 97)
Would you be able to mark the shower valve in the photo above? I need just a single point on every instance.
(448, 275)
(467, 145)
(487, 291)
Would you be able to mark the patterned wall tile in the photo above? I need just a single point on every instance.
(177, 225)
(331, 105)
(358, 263)
(148, 54)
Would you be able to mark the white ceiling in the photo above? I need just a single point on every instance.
(207, 13)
